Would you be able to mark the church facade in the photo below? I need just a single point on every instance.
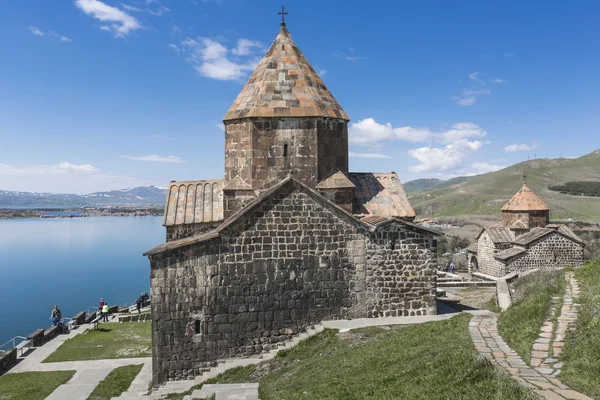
(288, 238)
(526, 240)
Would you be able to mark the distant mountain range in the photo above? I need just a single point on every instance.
(486, 194)
(143, 195)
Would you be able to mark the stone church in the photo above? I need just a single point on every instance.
(525, 240)
(288, 238)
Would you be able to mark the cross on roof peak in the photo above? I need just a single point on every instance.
(283, 13)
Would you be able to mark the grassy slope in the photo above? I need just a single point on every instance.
(419, 185)
(582, 349)
(520, 325)
(485, 194)
(116, 382)
(436, 360)
(32, 385)
(111, 340)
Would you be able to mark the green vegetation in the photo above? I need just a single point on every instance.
(419, 185)
(520, 325)
(111, 340)
(116, 382)
(581, 354)
(486, 194)
(578, 188)
(436, 360)
(32, 385)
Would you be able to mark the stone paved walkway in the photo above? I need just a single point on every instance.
(547, 348)
(88, 373)
(484, 332)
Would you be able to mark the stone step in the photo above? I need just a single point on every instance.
(230, 391)
(467, 284)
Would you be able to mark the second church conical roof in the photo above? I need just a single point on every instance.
(284, 84)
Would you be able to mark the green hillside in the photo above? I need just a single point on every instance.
(486, 194)
(418, 185)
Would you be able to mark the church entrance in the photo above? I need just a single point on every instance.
(473, 264)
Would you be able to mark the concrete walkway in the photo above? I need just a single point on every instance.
(88, 373)
(484, 332)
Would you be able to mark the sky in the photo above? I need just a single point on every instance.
(108, 94)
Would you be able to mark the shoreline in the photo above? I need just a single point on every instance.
(78, 212)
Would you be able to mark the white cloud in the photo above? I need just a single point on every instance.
(484, 168)
(508, 55)
(244, 47)
(518, 147)
(213, 60)
(368, 131)
(476, 76)
(118, 21)
(159, 11)
(321, 72)
(174, 47)
(469, 96)
(368, 155)
(443, 159)
(461, 130)
(39, 32)
(36, 31)
(54, 169)
(498, 80)
(155, 158)
(348, 57)
(131, 8)
(63, 177)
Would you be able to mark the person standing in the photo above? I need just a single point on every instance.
(101, 304)
(105, 312)
(138, 305)
(451, 267)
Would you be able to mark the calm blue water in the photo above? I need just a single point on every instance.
(71, 263)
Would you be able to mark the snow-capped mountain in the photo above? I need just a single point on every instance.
(143, 195)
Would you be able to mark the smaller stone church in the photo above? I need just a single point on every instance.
(525, 240)
(288, 238)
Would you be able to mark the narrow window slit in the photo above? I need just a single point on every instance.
(285, 150)
(197, 327)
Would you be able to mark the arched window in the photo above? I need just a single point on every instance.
(285, 150)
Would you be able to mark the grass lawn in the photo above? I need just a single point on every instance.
(582, 348)
(520, 325)
(32, 385)
(436, 360)
(111, 340)
(116, 382)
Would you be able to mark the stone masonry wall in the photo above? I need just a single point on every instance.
(176, 232)
(268, 277)
(486, 249)
(264, 151)
(401, 275)
(550, 252)
(290, 264)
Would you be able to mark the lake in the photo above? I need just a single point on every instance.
(71, 262)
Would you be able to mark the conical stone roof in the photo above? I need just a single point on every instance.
(525, 200)
(284, 84)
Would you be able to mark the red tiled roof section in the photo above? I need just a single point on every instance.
(380, 194)
(525, 200)
(284, 84)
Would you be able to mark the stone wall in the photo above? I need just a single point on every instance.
(486, 250)
(550, 252)
(264, 151)
(8, 359)
(176, 232)
(36, 337)
(531, 219)
(401, 275)
(287, 264)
